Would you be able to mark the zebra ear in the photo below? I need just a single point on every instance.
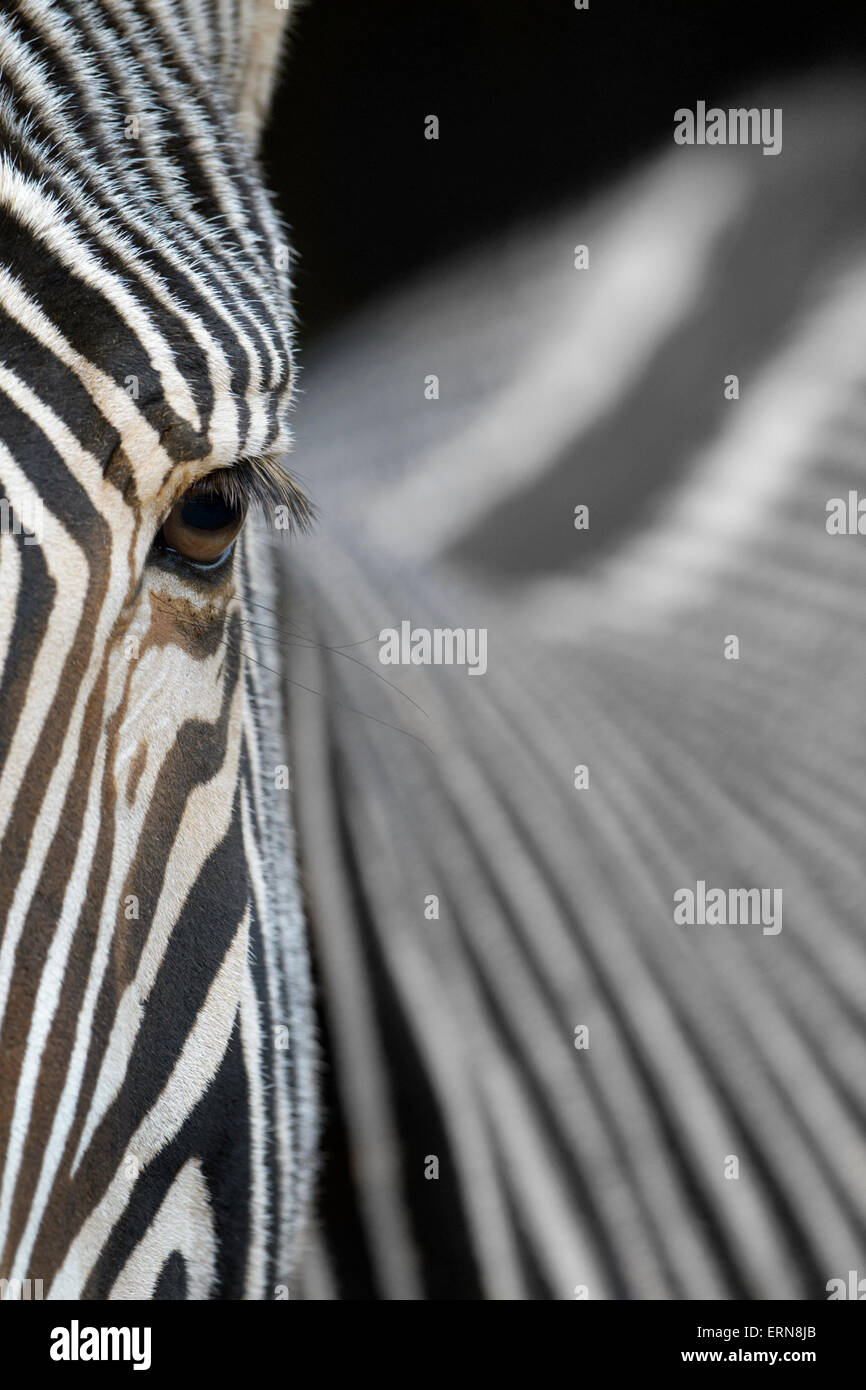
(259, 66)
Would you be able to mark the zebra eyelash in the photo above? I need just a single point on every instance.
(262, 484)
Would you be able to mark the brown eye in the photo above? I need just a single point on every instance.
(202, 526)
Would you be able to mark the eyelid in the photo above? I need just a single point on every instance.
(259, 483)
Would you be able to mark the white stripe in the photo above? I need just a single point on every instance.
(196, 1067)
(647, 267)
(183, 1223)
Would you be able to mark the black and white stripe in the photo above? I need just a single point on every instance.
(601, 1168)
(157, 1135)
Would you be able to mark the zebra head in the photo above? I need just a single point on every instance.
(155, 1096)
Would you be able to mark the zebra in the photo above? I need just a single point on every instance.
(540, 1084)
(518, 1077)
(157, 1055)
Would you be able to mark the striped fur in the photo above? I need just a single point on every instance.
(157, 1096)
(603, 1169)
(157, 1118)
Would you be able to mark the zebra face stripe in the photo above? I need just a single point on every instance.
(145, 344)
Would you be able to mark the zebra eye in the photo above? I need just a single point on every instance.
(202, 526)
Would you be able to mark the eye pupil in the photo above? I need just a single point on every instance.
(202, 527)
(207, 512)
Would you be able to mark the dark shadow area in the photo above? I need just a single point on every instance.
(536, 100)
